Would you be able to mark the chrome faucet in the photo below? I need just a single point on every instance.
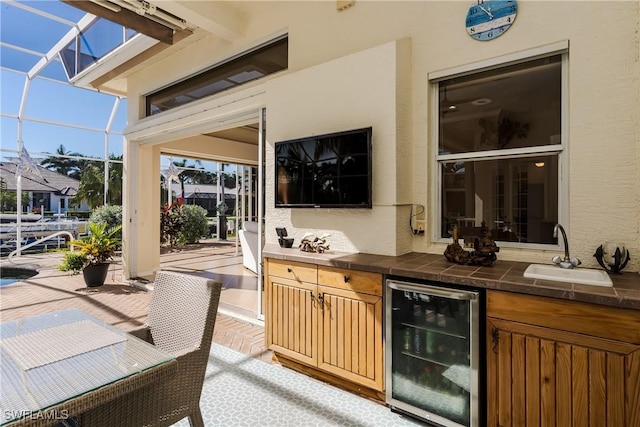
(567, 261)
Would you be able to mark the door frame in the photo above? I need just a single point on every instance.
(226, 112)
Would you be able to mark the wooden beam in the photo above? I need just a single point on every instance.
(128, 19)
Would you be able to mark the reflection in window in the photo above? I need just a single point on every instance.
(517, 199)
(499, 144)
(514, 107)
(41, 201)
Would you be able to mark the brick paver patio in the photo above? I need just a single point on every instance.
(119, 302)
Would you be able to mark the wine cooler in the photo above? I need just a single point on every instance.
(432, 352)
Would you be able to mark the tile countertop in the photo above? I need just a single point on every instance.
(504, 275)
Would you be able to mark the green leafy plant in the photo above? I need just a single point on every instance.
(73, 262)
(100, 245)
(171, 223)
(110, 215)
(195, 224)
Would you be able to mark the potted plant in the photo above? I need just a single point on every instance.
(73, 262)
(98, 249)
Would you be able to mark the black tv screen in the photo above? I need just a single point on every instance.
(325, 171)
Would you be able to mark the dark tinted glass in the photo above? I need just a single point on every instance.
(327, 171)
(513, 107)
(253, 65)
(516, 199)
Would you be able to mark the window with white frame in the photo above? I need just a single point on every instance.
(500, 150)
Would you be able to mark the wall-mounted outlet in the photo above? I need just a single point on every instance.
(417, 219)
(417, 212)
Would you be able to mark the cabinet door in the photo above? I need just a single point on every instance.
(538, 376)
(351, 336)
(293, 309)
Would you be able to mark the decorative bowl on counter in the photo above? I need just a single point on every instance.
(613, 257)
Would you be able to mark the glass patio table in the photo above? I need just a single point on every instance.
(58, 365)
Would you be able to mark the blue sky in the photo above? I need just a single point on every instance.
(49, 100)
(53, 102)
(26, 36)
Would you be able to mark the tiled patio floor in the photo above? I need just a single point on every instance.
(125, 306)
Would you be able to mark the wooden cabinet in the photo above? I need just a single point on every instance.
(351, 336)
(294, 319)
(327, 318)
(292, 310)
(561, 363)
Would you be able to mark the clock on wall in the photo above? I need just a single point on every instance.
(489, 19)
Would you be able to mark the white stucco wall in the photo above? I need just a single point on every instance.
(359, 90)
(325, 46)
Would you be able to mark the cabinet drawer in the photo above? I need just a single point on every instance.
(297, 271)
(573, 316)
(353, 280)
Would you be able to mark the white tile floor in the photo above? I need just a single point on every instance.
(242, 391)
(220, 262)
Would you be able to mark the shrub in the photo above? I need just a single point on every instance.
(171, 223)
(73, 262)
(195, 224)
(109, 215)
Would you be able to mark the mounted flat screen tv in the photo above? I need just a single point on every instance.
(325, 171)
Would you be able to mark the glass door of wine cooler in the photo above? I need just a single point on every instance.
(432, 338)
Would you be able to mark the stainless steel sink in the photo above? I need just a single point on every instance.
(584, 276)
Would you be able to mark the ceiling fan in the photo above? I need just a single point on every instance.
(448, 106)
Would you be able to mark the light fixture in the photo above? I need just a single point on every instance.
(447, 106)
(539, 164)
(481, 101)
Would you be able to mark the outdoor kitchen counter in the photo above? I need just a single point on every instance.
(504, 275)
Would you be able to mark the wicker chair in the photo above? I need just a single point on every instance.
(181, 320)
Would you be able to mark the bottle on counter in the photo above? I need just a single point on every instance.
(406, 340)
(430, 343)
(417, 341)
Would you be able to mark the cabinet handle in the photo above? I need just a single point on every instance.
(346, 279)
(433, 290)
(313, 298)
(321, 299)
(288, 269)
(495, 337)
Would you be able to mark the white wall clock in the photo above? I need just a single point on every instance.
(490, 18)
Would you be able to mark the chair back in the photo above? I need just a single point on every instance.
(182, 312)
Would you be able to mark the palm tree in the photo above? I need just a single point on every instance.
(115, 181)
(187, 176)
(91, 187)
(203, 177)
(62, 164)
